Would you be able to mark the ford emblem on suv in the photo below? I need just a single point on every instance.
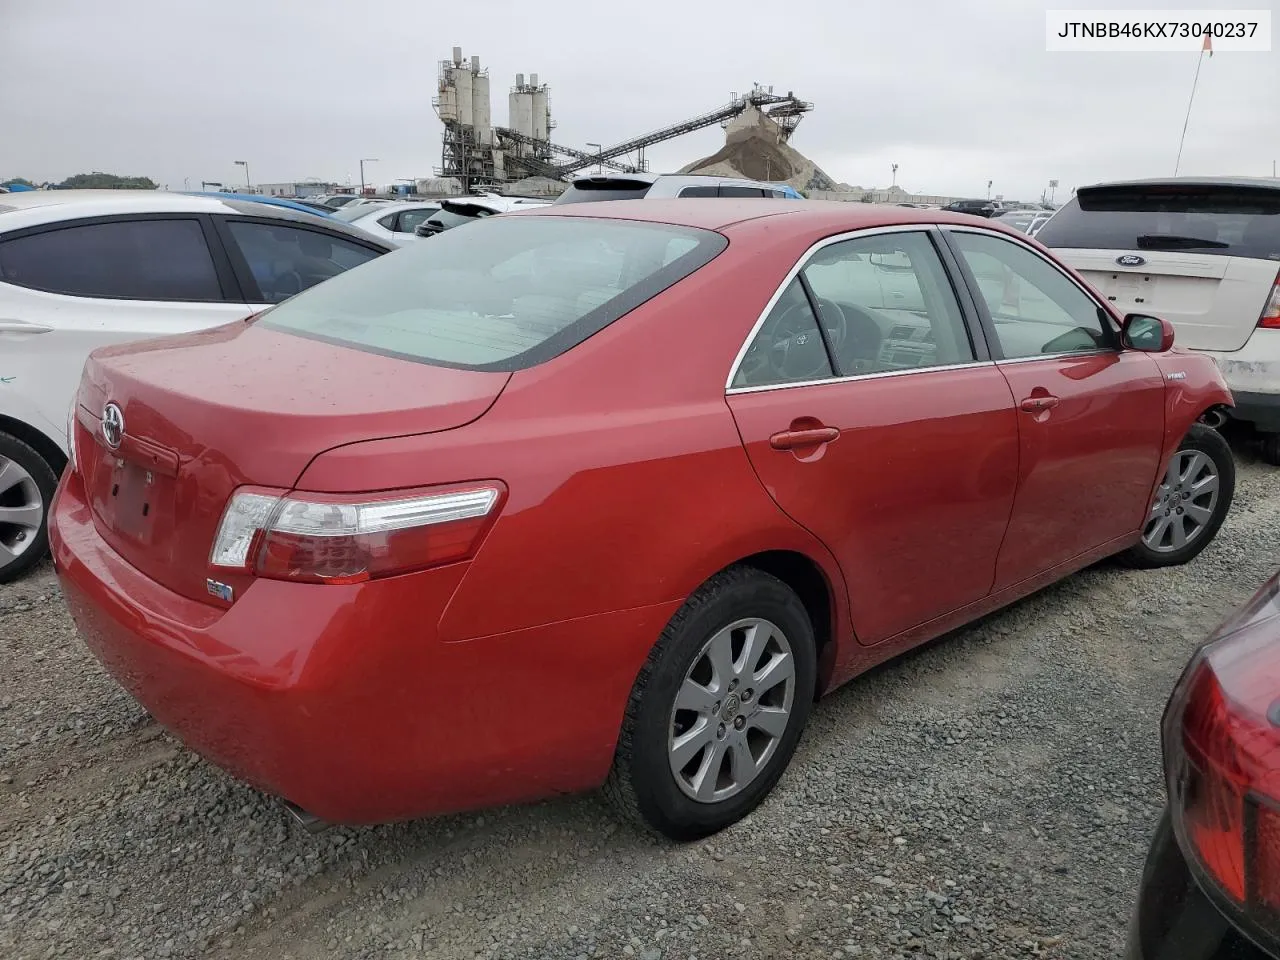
(1131, 260)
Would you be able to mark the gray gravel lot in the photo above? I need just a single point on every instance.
(988, 796)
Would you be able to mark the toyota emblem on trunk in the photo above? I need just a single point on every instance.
(112, 425)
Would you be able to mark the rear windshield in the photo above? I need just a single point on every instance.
(588, 192)
(1227, 221)
(504, 294)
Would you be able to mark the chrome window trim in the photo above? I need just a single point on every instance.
(794, 272)
(1021, 240)
(1058, 356)
(878, 375)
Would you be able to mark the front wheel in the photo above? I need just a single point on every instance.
(717, 710)
(27, 484)
(1190, 504)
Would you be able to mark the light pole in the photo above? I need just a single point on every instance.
(247, 185)
(362, 163)
(894, 167)
(989, 182)
(599, 150)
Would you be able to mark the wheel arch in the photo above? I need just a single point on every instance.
(36, 440)
(821, 600)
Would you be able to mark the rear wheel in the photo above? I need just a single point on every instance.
(1191, 502)
(717, 709)
(27, 484)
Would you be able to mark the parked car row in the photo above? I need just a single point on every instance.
(308, 513)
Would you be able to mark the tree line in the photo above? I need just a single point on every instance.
(90, 181)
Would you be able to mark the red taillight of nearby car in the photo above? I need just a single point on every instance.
(1270, 318)
(1222, 759)
(334, 538)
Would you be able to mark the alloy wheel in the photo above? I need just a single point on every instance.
(1184, 503)
(731, 710)
(21, 510)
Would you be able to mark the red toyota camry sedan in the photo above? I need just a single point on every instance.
(607, 494)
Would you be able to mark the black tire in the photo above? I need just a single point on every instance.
(641, 783)
(1208, 441)
(46, 481)
(1271, 448)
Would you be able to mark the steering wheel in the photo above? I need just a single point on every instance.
(282, 288)
(794, 350)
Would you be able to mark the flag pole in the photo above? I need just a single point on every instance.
(1207, 47)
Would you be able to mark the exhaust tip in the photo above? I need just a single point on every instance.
(308, 822)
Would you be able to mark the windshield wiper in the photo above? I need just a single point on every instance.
(1169, 241)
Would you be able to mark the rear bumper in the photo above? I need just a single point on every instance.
(1174, 918)
(1253, 374)
(342, 699)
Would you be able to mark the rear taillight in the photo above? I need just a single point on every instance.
(1221, 735)
(335, 538)
(1271, 312)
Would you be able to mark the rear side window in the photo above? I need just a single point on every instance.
(589, 192)
(121, 260)
(504, 294)
(1214, 220)
(728, 190)
(285, 260)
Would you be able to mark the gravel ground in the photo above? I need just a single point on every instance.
(988, 796)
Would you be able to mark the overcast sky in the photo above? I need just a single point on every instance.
(955, 93)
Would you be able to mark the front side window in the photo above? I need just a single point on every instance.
(700, 191)
(1035, 309)
(730, 190)
(502, 295)
(122, 259)
(285, 260)
(887, 305)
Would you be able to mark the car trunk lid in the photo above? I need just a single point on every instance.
(240, 404)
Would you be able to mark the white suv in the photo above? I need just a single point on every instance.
(81, 269)
(1204, 253)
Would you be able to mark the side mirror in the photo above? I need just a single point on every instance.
(1149, 334)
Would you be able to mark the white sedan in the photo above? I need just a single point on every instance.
(82, 269)
(395, 222)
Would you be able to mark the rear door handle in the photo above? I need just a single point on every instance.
(21, 326)
(791, 439)
(1036, 404)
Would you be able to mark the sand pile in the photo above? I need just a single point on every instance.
(754, 148)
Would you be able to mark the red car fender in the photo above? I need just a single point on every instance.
(1193, 386)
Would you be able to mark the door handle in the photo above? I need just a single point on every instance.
(1036, 404)
(21, 326)
(791, 439)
